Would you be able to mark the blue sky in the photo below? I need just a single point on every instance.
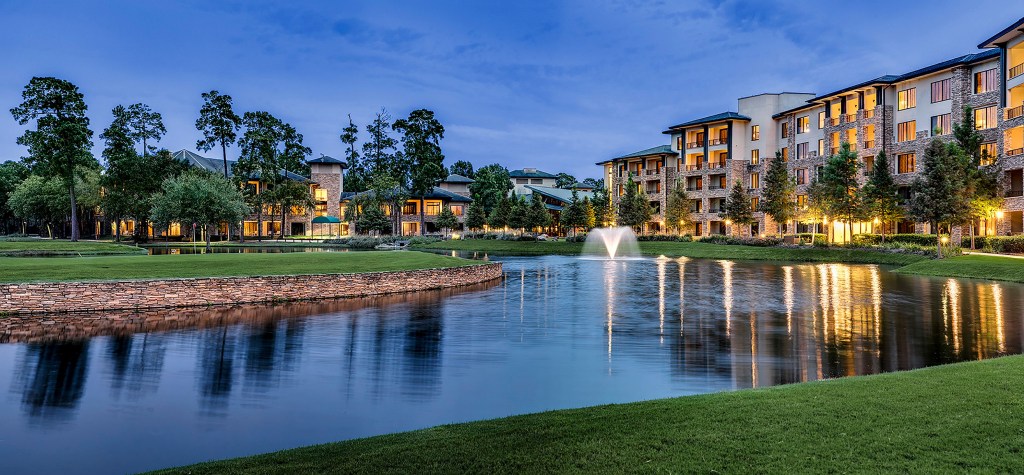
(555, 85)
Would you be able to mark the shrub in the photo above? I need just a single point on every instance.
(686, 238)
(1004, 244)
(658, 238)
(527, 237)
(582, 237)
(874, 239)
(742, 241)
(805, 238)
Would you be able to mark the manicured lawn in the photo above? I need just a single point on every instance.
(948, 419)
(47, 247)
(689, 249)
(29, 269)
(979, 267)
(250, 243)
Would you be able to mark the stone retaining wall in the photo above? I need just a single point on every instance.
(63, 297)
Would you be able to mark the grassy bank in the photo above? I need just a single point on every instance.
(955, 418)
(978, 267)
(689, 249)
(46, 247)
(31, 269)
(233, 244)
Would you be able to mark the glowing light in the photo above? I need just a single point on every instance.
(877, 221)
(456, 236)
(944, 239)
(1000, 214)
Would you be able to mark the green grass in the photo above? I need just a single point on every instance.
(46, 247)
(947, 419)
(689, 249)
(977, 267)
(248, 243)
(32, 269)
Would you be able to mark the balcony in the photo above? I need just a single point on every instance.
(869, 144)
(1014, 192)
(715, 210)
(1016, 71)
(695, 166)
(695, 144)
(716, 187)
(869, 113)
(716, 165)
(834, 121)
(719, 141)
(654, 172)
(1014, 152)
(851, 117)
(692, 188)
(1014, 112)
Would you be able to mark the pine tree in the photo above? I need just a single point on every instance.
(589, 217)
(777, 196)
(501, 214)
(537, 214)
(737, 206)
(218, 123)
(677, 208)
(518, 217)
(841, 190)
(447, 220)
(880, 194)
(356, 176)
(984, 187)
(940, 197)
(634, 209)
(604, 212)
(475, 216)
(572, 216)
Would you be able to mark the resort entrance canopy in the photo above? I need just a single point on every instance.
(328, 220)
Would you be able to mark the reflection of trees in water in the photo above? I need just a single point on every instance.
(136, 362)
(216, 363)
(271, 350)
(51, 379)
(422, 355)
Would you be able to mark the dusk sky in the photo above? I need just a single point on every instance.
(554, 85)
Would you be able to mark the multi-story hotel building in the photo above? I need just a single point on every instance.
(895, 114)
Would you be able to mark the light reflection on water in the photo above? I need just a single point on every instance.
(127, 392)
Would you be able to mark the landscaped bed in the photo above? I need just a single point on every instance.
(954, 418)
(31, 269)
(47, 247)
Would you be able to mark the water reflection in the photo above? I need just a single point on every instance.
(184, 385)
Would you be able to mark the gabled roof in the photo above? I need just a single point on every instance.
(659, 150)
(217, 165)
(328, 160)
(436, 194)
(532, 173)
(453, 178)
(799, 108)
(560, 194)
(581, 186)
(887, 79)
(1007, 34)
(721, 116)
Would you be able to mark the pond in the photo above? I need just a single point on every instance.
(118, 393)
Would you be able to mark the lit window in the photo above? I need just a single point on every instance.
(941, 90)
(985, 81)
(985, 118)
(801, 201)
(941, 125)
(755, 132)
(801, 150)
(906, 131)
(785, 129)
(755, 156)
(821, 120)
(988, 152)
(821, 147)
(321, 194)
(907, 99)
(755, 180)
(801, 176)
(754, 202)
(785, 154)
(803, 124)
(907, 163)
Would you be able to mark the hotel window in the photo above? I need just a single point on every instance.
(785, 154)
(907, 163)
(869, 164)
(941, 125)
(755, 132)
(755, 156)
(985, 118)
(987, 153)
(785, 129)
(818, 170)
(457, 210)
(801, 201)
(941, 90)
(821, 147)
(754, 203)
(536, 181)
(679, 142)
(906, 131)
(433, 208)
(755, 181)
(907, 99)
(522, 181)
(801, 176)
(821, 120)
(985, 81)
(410, 208)
(320, 194)
(801, 150)
(803, 124)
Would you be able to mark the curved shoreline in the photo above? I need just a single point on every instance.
(148, 294)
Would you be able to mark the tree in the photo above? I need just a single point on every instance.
(421, 143)
(565, 181)
(218, 123)
(491, 185)
(737, 206)
(447, 220)
(201, 199)
(518, 217)
(60, 144)
(594, 183)
(476, 218)
(939, 195)
(386, 190)
(604, 212)
(11, 175)
(292, 194)
(677, 208)
(982, 173)
(817, 205)
(40, 199)
(880, 194)
(537, 215)
(634, 209)
(373, 219)
(356, 176)
(501, 215)
(463, 168)
(839, 185)
(144, 125)
(572, 215)
(588, 214)
(777, 196)
(379, 150)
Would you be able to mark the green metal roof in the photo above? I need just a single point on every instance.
(659, 150)
(326, 220)
(721, 116)
(522, 173)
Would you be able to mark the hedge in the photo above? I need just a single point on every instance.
(1008, 244)
(920, 239)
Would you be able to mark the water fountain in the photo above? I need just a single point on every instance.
(612, 243)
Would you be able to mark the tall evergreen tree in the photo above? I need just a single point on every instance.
(356, 176)
(447, 220)
(777, 197)
(737, 206)
(571, 216)
(841, 189)
(492, 184)
(537, 215)
(634, 208)
(379, 149)
(939, 193)
(421, 142)
(677, 208)
(880, 194)
(518, 216)
(604, 211)
(218, 123)
(501, 215)
(144, 125)
(589, 217)
(982, 173)
(463, 168)
(476, 218)
(59, 146)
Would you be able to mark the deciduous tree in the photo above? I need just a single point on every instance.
(565, 181)
(199, 198)
(490, 187)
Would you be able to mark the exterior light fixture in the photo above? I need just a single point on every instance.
(1000, 214)
(944, 239)
(878, 221)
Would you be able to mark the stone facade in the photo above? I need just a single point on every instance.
(64, 297)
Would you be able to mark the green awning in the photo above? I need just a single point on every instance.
(326, 220)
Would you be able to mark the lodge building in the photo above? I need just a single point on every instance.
(896, 114)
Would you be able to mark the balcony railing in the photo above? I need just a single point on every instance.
(649, 172)
(869, 113)
(851, 117)
(715, 210)
(692, 188)
(695, 210)
(715, 165)
(716, 187)
(1014, 152)
(835, 150)
(695, 166)
(869, 144)
(1012, 192)
(834, 121)
(719, 141)
(1014, 112)
(1016, 71)
(696, 144)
